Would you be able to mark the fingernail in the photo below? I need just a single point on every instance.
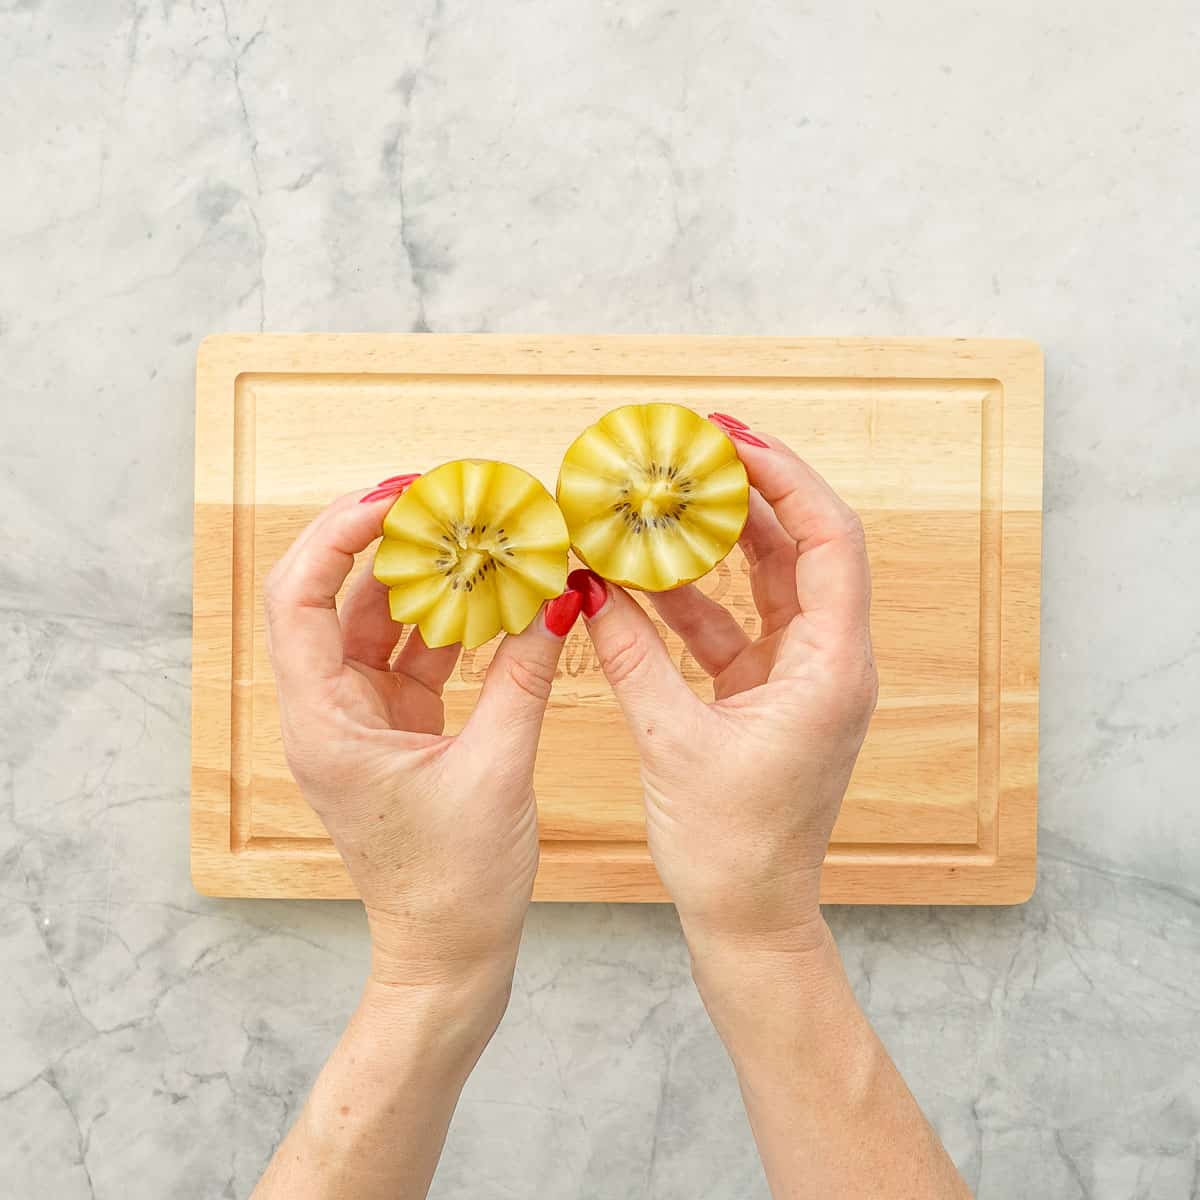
(725, 419)
(591, 588)
(401, 479)
(738, 430)
(742, 435)
(562, 612)
(395, 487)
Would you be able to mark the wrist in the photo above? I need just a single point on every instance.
(424, 1038)
(457, 952)
(392, 1081)
(448, 1021)
(742, 906)
(731, 941)
(755, 985)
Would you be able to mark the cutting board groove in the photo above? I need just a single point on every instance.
(937, 443)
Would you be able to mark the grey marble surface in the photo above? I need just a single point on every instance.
(175, 168)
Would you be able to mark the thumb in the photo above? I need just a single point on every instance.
(646, 683)
(517, 686)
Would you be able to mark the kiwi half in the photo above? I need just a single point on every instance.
(471, 548)
(654, 496)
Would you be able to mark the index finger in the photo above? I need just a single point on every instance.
(833, 577)
(303, 635)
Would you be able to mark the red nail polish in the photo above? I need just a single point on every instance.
(590, 587)
(562, 612)
(396, 488)
(724, 419)
(741, 435)
(382, 493)
(402, 479)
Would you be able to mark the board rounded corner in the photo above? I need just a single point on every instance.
(207, 882)
(1024, 885)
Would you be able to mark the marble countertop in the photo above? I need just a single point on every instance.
(174, 169)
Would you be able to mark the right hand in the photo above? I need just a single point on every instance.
(742, 794)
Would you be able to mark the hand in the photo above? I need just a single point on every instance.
(742, 794)
(439, 833)
(741, 798)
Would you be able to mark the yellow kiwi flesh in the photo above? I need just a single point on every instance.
(654, 496)
(471, 548)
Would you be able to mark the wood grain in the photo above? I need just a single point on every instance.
(936, 442)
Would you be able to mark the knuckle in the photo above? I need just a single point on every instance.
(323, 753)
(861, 692)
(625, 658)
(273, 591)
(535, 679)
(865, 696)
(854, 528)
(300, 759)
(852, 687)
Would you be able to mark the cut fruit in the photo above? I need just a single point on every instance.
(472, 548)
(654, 496)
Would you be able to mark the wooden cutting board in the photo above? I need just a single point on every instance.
(936, 442)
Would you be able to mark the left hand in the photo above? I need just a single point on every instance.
(438, 833)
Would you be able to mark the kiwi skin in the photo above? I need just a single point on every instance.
(633, 585)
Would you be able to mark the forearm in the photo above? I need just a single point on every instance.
(376, 1119)
(830, 1113)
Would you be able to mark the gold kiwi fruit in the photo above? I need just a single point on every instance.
(654, 496)
(471, 548)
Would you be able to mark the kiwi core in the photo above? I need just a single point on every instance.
(654, 498)
(469, 552)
